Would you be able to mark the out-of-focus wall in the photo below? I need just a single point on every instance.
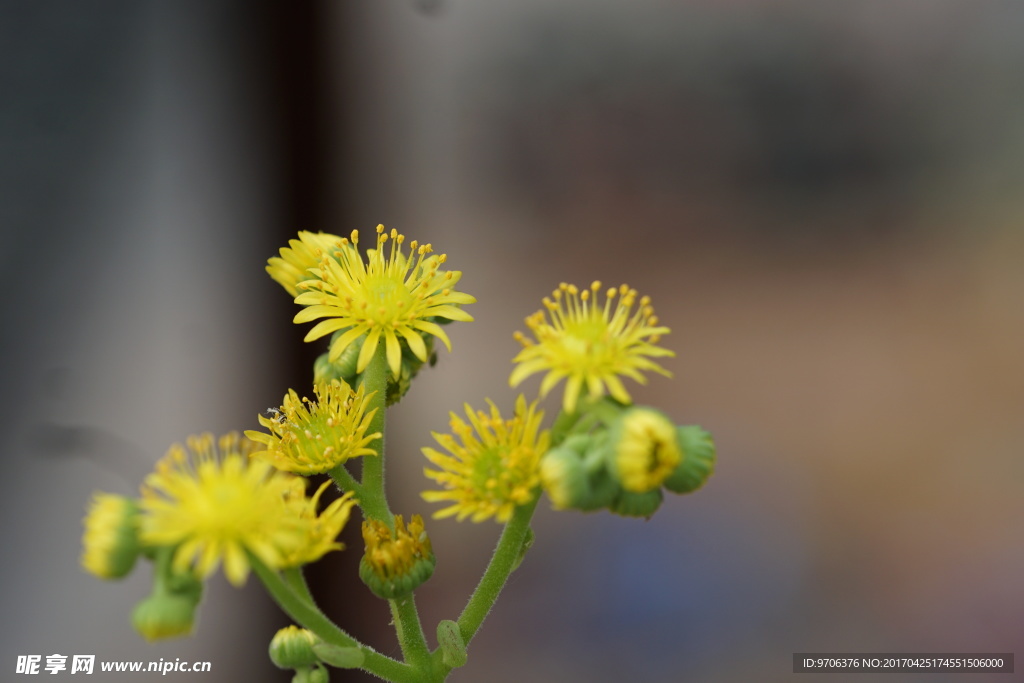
(823, 201)
(136, 202)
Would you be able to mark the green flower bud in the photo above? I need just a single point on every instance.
(565, 479)
(698, 462)
(395, 567)
(575, 474)
(630, 504)
(643, 449)
(164, 615)
(292, 648)
(344, 368)
(110, 543)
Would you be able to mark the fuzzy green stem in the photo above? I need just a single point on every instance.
(309, 616)
(410, 632)
(373, 501)
(296, 580)
(344, 480)
(505, 559)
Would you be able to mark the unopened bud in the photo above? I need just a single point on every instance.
(163, 616)
(292, 648)
(698, 462)
(642, 449)
(394, 566)
(110, 543)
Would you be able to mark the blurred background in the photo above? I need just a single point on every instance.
(823, 200)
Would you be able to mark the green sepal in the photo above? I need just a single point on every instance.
(698, 461)
(311, 674)
(395, 587)
(630, 504)
(344, 368)
(453, 645)
(604, 489)
(185, 584)
(338, 656)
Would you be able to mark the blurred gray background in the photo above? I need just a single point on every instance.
(823, 200)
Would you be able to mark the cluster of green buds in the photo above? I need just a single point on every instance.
(344, 367)
(619, 457)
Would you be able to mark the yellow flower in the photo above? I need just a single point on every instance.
(321, 530)
(392, 296)
(310, 437)
(215, 503)
(590, 344)
(296, 260)
(110, 542)
(495, 467)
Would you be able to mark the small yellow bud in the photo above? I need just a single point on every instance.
(643, 449)
(110, 542)
(394, 566)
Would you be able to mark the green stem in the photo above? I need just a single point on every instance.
(373, 500)
(345, 481)
(505, 558)
(296, 580)
(309, 616)
(410, 632)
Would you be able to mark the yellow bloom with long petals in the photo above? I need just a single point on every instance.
(494, 463)
(310, 437)
(321, 529)
(590, 344)
(396, 297)
(294, 264)
(215, 504)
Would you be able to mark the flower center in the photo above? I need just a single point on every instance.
(386, 299)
